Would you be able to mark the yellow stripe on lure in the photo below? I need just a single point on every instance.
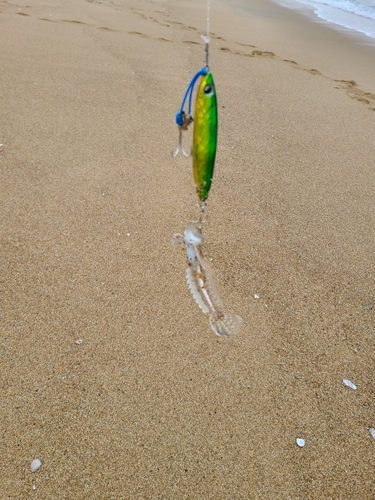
(205, 130)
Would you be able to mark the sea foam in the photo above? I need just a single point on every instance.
(358, 15)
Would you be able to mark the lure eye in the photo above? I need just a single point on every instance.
(209, 90)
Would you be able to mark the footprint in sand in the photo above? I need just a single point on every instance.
(104, 28)
(242, 44)
(138, 33)
(349, 85)
(73, 21)
(354, 92)
(262, 53)
(313, 71)
(244, 54)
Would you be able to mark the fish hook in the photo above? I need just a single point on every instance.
(185, 122)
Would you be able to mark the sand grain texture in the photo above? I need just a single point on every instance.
(151, 405)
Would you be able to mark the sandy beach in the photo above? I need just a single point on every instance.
(110, 373)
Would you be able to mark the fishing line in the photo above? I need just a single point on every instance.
(206, 37)
(199, 275)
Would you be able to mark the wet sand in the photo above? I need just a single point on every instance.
(151, 405)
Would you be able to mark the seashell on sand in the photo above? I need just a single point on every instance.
(35, 465)
(349, 384)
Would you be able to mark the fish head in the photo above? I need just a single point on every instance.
(193, 235)
(207, 91)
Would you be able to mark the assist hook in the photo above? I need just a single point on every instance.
(183, 120)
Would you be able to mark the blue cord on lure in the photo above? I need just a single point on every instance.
(189, 93)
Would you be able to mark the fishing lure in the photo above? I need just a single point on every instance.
(201, 283)
(205, 130)
(198, 274)
(205, 136)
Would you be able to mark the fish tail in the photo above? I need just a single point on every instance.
(225, 324)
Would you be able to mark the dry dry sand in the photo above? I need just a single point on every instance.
(151, 405)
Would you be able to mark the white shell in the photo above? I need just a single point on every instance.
(79, 342)
(300, 442)
(372, 432)
(35, 465)
(349, 384)
(256, 296)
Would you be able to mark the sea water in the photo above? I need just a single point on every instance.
(358, 15)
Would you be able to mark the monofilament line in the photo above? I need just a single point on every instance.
(206, 37)
(208, 20)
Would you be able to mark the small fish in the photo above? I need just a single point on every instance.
(201, 283)
(205, 136)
